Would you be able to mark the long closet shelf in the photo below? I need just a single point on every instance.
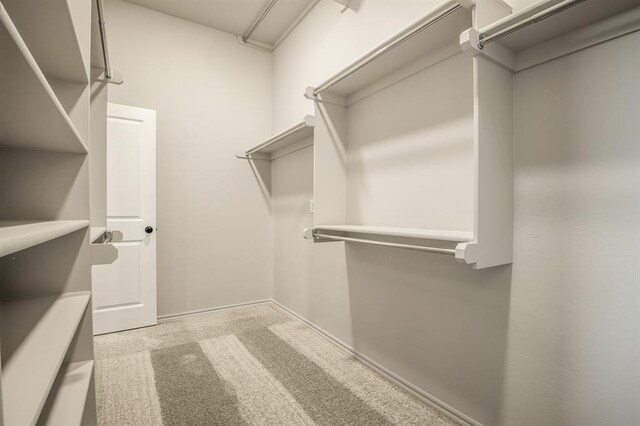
(548, 19)
(49, 30)
(296, 133)
(424, 234)
(31, 116)
(36, 333)
(433, 32)
(66, 404)
(16, 236)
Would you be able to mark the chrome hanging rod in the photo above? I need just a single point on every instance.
(103, 40)
(540, 16)
(263, 15)
(109, 75)
(277, 138)
(450, 252)
(384, 49)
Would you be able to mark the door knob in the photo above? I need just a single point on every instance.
(148, 229)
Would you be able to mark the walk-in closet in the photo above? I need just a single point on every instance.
(319, 212)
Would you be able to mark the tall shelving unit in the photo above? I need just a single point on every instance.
(46, 338)
(486, 176)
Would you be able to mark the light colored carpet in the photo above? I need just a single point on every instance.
(251, 365)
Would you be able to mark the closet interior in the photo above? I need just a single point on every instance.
(413, 145)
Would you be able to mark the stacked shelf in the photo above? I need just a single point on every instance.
(27, 93)
(34, 348)
(15, 236)
(46, 340)
(70, 393)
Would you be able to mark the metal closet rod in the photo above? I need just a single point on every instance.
(540, 16)
(263, 15)
(384, 49)
(450, 252)
(103, 40)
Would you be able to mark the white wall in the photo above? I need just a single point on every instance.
(550, 340)
(213, 98)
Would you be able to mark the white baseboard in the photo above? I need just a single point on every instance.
(169, 317)
(434, 402)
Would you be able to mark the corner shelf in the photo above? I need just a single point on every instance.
(36, 333)
(16, 236)
(27, 93)
(287, 138)
(68, 396)
(48, 28)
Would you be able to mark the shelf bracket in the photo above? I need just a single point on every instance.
(467, 253)
(495, 52)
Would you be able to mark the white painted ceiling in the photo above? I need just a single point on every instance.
(235, 16)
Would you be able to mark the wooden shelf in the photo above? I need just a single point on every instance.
(49, 30)
(68, 396)
(36, 333)
(383, 61)
(576, 17)
(425, 234)
(16, 236)
(31, 116)
(287, 138)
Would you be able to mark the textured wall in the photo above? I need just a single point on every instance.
(550, 340)
(213, 98)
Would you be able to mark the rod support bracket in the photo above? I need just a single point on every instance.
(467, 253)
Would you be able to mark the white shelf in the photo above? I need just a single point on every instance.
(425, 234)
(16, 236)
(289, 137)
(26, 93)
(49, 30)
(36, 333)
(382, 61)
(69, 395)
(576, 17)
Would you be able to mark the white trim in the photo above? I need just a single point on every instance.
(432, 401)
(169, 317)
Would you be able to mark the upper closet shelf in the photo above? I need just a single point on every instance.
(299, 132)
(36, 334)
(31, 116)
(432, 38)
(49, 30)
(16, 236)
(552, 28)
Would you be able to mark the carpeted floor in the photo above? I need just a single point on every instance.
(251, 365)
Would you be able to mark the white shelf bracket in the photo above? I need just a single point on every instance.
(495, 52)
(467, 253)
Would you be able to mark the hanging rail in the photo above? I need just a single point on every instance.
(384, 49)
(485, 39)
(450, 252)
(109, 76)
(263, 15)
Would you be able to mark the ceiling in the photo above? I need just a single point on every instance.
(236, 16)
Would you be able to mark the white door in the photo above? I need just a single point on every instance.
(124, 292)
